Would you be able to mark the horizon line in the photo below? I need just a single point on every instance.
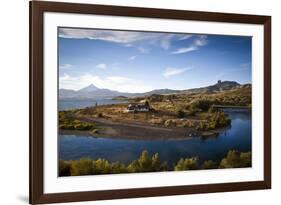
(155, 88)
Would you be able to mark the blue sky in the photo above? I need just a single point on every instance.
(129, 61)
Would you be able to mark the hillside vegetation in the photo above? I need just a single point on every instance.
(193, 110)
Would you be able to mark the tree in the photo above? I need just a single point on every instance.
(180, 113)
(201, 104)
(192, 111)
(236, 159)
(170, 98)
(187, 164)
(145, 163)
(212, 109)
(146, 103)
(83, 166)
(101, 166)
(64, 168)
(157, 165)
(118, 167)
(219, 119)
(246, 159)
(209, 164)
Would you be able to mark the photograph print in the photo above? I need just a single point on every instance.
(143, 101)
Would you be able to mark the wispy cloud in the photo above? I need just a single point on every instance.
(185, 50)
(201, 41)
(128, 45)
(187, 36)
(132, 58)
(65, 66)
(167, 39)
(143, 50)
(101, 66)
(126, 38)
(196, 44)
(169, 72)
(119, 83)
(165, 42)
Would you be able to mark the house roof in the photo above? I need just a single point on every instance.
(138, 106)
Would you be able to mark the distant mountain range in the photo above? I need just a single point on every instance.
(218, 87)
(94, 92)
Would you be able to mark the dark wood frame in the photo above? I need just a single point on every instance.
(37, 9)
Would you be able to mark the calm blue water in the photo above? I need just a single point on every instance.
(67, 104)
(237, 137)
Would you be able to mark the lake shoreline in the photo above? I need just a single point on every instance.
(74, 145)
(138, 131)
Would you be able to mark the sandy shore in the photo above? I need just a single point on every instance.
(138, 131)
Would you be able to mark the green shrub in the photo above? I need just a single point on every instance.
(201, 104)
(118, 167)
(64, 168)
(86, 166)
(145, 163)
(219, 119)
(192, 112)
(212, 109)
(202, 126)
(95, 131)
(68, 122)
(76, 122)
(209, 164)
(102, 166)
(180, 113)
(236, 159)
(214, 120)
(170, 123)
(187, 164)
(66, 126)
(246, 159)
(83, 166)
(100, 114)
(156, 98)
(83, 126)
(147, 103)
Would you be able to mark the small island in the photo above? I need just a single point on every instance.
(178, 115)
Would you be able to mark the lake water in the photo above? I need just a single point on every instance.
(67, 104)
(237, 137)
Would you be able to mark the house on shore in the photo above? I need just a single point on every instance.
(138, 108)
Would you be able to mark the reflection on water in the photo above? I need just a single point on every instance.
(237, 136)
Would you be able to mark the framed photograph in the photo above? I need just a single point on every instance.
(138, 102)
